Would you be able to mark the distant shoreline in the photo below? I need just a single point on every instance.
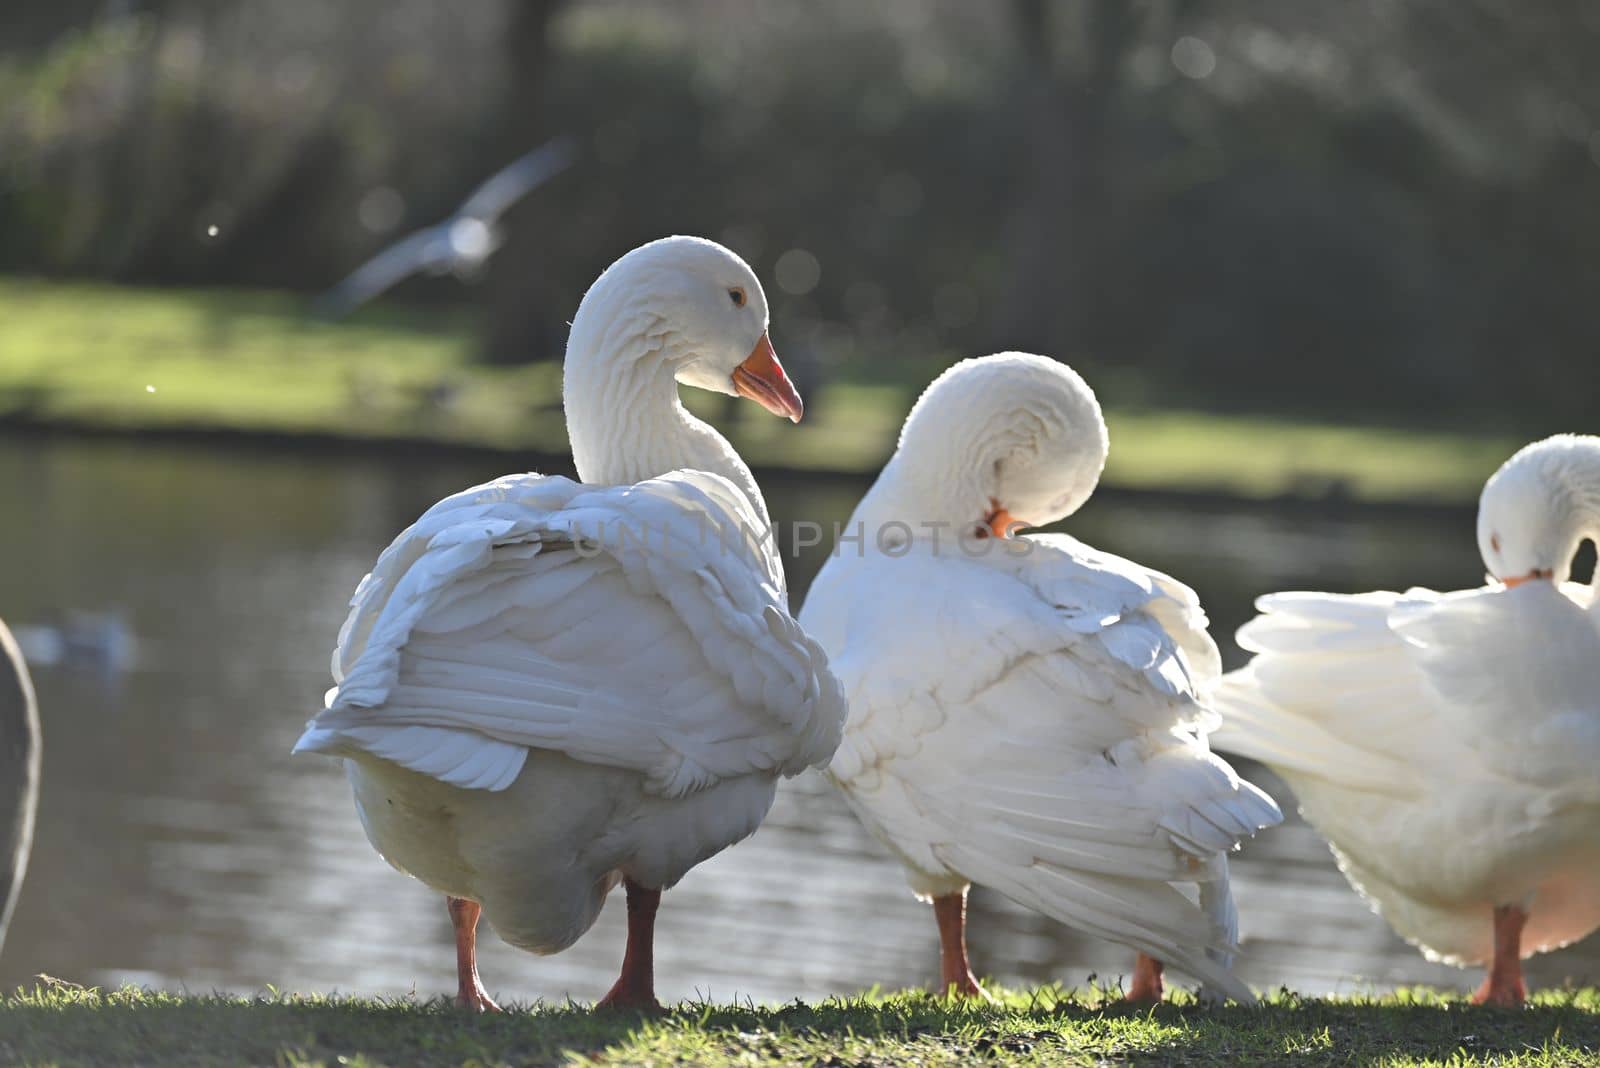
(250, 368)
(22, 428)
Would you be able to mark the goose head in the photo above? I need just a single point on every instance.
(678, 310)
(998, 443)
(689, 306)
(1538, 507)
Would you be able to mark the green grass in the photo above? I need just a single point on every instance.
(60, 1024)
(113, 357)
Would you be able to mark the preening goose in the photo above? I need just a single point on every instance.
(19, 773)
(1447, 744)
(546, 687)
(1025, 710)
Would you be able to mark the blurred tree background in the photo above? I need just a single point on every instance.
(1379, 210)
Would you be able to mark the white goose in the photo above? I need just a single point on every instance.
(1024, 712)
(547, 687)
(1447, 744)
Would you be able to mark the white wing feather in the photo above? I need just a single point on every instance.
(422, 250)
(1445, 744)
(1374, 691)
(640, 626)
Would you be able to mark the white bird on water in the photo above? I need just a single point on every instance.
(1027, 712)
(459, 245)
(99, 642)
(548, 687)
(1446, 744)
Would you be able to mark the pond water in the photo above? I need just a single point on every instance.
(179, 845)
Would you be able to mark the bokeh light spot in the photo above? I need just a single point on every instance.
(1193, 58)
(797, 272)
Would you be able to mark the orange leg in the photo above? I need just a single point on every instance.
(470, 993)
(955, 972)
(635, 988)
(1503, 985)
(1146, 988)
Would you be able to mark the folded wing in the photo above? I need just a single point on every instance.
(642, 627)
(1380, 692)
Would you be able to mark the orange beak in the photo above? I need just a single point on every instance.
(1002, 523)
(761, 379)
(1517, 580)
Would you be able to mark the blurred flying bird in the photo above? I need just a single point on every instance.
(459, 245)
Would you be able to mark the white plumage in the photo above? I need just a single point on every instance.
(638, 627)
(547, 686)
(1026, 713)
(1447, 744)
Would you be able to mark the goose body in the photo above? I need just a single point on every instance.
(1447, 744)
(546, 687)
(1026, 712)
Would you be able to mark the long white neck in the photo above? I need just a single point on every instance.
(917, 497)
(624, 417)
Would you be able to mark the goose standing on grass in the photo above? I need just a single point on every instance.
(19, 773)
(1448, 744)
(1025, 710)
(547, 687)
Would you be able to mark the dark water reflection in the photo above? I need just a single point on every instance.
(180, 846)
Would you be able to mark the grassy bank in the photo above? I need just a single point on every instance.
(64, 1025)
(111, 357)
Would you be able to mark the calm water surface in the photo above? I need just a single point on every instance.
(179, 846)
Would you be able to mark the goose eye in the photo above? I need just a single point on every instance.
(1494, 542)
(736, 295)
